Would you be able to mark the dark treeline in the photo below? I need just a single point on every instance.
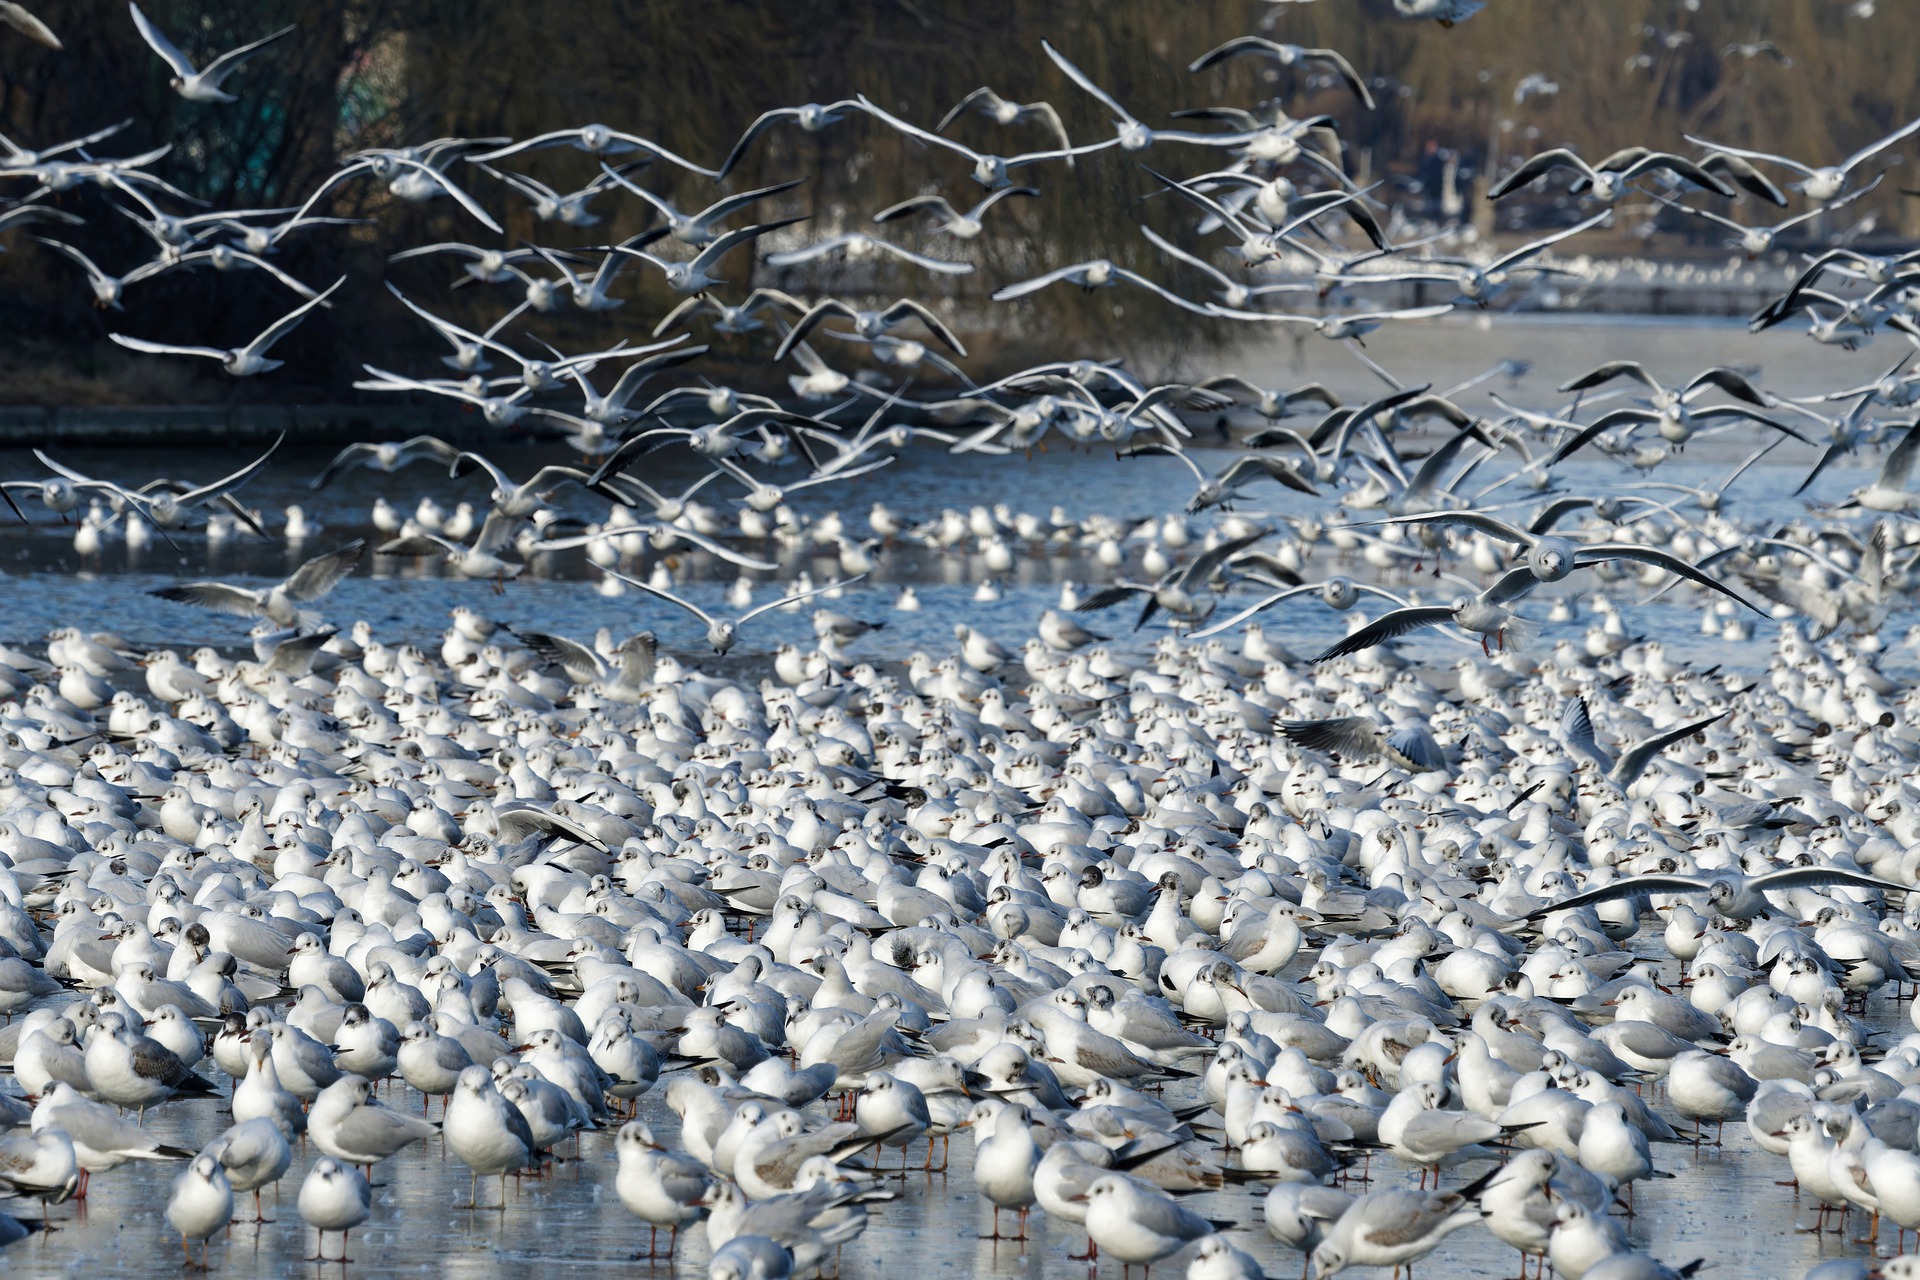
(1804, 77)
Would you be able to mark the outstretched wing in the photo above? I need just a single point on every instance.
(1629, 887)
(1631, 765)
(323, 573)
(1388, 626)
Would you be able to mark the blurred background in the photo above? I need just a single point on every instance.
(1807, 78)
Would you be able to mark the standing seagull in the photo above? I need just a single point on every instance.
(199, 86)
(241, 362)
(334, 1198)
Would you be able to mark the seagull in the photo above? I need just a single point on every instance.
(857, 246)
(334, 1197)
(347, 1122)
(961, 226)
(1137, 1225)
(549, 205)
(990, 171)
(200, 1205)
(660, 1187)
(1389, 1228)
(1609, 180)
(1755, 240)
(1826, 183)
(486, 1133)
(729, 318)
(1232, 292)
(1217, 491)
(1551, 559)
(385, 456)
(1287, 55)
(1482, 284)
(1005, 112)
(1131, 134)
(1484, 614)
(1099, 273)
(199, 86)
(869, 324)
(241, 362)
(281, 602)
(722, 632)
(598, 140)
(691, 276)
(108, 290)
(697, 229)
(254, 1154)
(814, 117)
(167, 503)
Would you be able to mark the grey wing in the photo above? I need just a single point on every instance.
(1429, 1216)
(1271, 467)
(1641, 754)
(563, 651)
(686, 1182)
(157, 39)
(1338, 62)
(1544, 163)
(732, 240)
(528, 821)
(154, 1061)
(1630, 887)
(1217, 627)
(1605, 422)
(217, 596)
(1665, 560)
(1486, 524)
(347, 457)
(294, 656)
(1510, 586)
(376, 1129)
(1207, 563)
(859, 1048)
(1387, 626)
(323, 573)
(1551, 513)
(1348, 735)
(496, 531)
(517, 1123)
(289, 322)
(1428, 476)
(1079, 77)
(1608, 372)
(227, 484)
(229, 62)
(1418, 746)
(1576, 722)
(1898, 467)
(1732, 383)
(1814, 877)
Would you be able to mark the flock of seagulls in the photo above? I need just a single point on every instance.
(1151, 924)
